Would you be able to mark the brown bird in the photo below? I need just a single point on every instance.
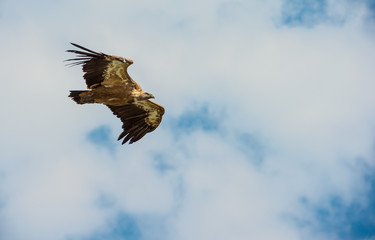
(110, 84)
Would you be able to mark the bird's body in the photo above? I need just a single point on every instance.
(110, 84)
(114, 96)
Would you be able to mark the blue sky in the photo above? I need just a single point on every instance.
(269, 121)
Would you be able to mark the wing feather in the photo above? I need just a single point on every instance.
(139, 135)
(138, 119)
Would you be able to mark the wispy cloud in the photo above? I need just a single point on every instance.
(102, 137)
(335, 216)
(199, 118)
(122, 227)
(307, 13)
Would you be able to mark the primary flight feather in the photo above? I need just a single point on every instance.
(110, 84)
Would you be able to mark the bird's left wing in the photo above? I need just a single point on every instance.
(138, 119)
(102, 69)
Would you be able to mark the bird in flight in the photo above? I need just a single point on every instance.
(109, 83)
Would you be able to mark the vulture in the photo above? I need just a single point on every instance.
(109, 83)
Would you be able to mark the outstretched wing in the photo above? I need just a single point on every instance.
(102, 69)
(138, 119)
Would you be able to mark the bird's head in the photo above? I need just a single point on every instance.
(145, 96)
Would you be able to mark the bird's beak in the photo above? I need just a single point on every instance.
(152, 96)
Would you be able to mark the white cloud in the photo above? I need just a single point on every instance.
(306, 93)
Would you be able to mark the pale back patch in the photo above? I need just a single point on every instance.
(115, 72)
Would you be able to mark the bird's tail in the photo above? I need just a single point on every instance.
(82, 96)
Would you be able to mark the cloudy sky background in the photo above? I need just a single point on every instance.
(268, 132)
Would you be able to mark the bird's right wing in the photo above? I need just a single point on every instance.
(138, 119)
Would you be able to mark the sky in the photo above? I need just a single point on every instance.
(268, 132)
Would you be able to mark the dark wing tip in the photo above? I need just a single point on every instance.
(83, 48)
(83, 55)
